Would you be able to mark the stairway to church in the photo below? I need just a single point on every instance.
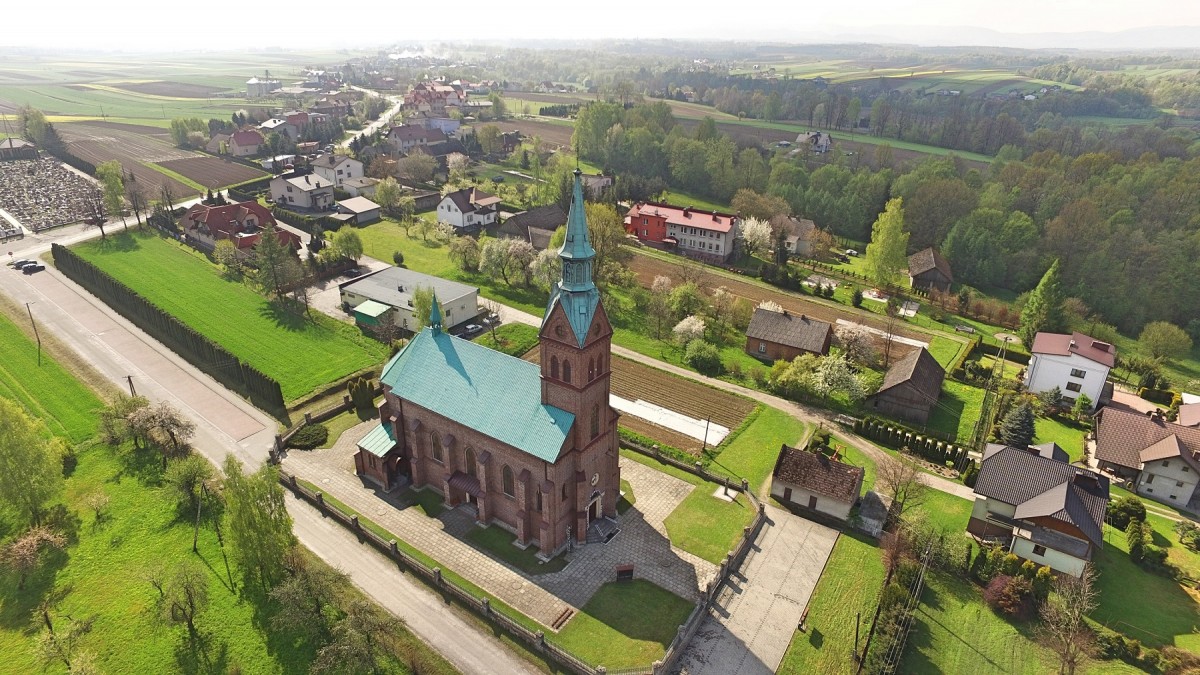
(602, 530)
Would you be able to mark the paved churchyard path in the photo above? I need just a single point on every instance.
(748, 630)
(543, 597)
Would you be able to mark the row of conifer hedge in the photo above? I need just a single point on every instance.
(926, 447)
(182, 339)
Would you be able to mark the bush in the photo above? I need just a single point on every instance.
(857, 298)
(1189, 534)
(1154, 555)
(1010, 596)
(1136, 536)
(894, 595)
(704, 357)
(1122, 510)
(310, 436)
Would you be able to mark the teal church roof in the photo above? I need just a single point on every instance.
(576, 291)
(495, 394)
(380, 440)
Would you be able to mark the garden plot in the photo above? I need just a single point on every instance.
(701, 430)
(99, 144)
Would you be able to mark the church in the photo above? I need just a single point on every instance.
(531, 448)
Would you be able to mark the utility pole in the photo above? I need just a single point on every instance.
(35, 332)
(132, 393)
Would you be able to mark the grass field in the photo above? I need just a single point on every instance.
(948, 512)
(957, 410)
(1068, 435)
(849, 584)
(302, 355)
(752, 453)
(46, 390)
(625, 625)
(513, 339)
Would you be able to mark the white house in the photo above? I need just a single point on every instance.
(469, 208)
(337, 169)
(1075, 363)
(386, 297)
(308, 191)
(360, 209)
(361, 187)
(1040, 508)
(1160, 458)
(245, 143)
(814, 481)
(281, 127)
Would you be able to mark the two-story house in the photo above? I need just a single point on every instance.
(245, 143)
(385, 297)
(1075, 363)
(241, 223)
(308, 191)
(1039, 507)
(337, 169)
(1161, 459)
(280, 126)
(406, 137)
(706, 235)
(468, 209)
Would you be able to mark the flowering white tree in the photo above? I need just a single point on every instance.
(661, 286)
(546, 268)
(691, 328)
(771, 306)
(834, 375)
(757, 235)
(856, 343)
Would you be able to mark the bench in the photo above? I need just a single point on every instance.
(964, 329)
(624, 572)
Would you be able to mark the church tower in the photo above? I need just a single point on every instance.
(576, 353)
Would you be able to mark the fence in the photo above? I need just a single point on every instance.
(281, 440)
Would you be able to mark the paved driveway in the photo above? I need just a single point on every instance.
(749, 629)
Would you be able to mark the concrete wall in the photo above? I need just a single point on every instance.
(1047, 371)
(1055, 560)
(800, 497)
(1167, 480)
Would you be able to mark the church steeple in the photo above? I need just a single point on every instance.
(435, 315)
(577, 252)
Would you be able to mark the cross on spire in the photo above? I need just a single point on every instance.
(435, 315)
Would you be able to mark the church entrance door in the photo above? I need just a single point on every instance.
(593, 510)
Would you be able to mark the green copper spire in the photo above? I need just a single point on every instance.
(577, 252)
(435, 314)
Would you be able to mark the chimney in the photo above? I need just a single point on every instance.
(785, 313)
(803, 317)
(687, 212)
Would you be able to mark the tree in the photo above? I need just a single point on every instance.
(260, 529)
(387, 195)
(115, 427)
(752, 204)
(24, 554)
(886, 259)
(423, 306)
(901, 481)
(521, 255)
(188, 476)
(183, 596)
(418, 166)
(1165, 340)
(606, 231)
(112, 184)
(1083, 405)
(347, 244)
(1016, 430)
(277, 266)
(495, 259)
(546, 268)
(97, 214)
(686, 299)
(360, 639)
(136, 194)
(306, 597)
(30, 464)
(226, 255)
(61, 645)
(690, 328)
(1064, 629)
(835, 375)
(703, 356)
(166, 427)
(1043, 310)
(660, 306)
(489, 139)
(464, 253)
(756, 234)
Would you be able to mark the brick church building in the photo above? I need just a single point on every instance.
(531, 448)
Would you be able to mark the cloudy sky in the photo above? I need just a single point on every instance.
(130, 25)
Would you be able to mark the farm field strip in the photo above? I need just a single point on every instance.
(300, 354)
(212, 171)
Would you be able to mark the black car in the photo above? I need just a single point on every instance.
(30, 269)
(22, 263)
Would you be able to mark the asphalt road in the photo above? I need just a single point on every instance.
(227, 424)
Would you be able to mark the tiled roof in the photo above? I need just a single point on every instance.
(1122, 436)
(380, 440)
(928, 259)
(1059, 344)
(225, 221)
(1047, 450)
(918, 368)
(801, 332)
(1189, 415)
(470, 200)
(309, 181)
(1039, 486)
(495, 394)
(407, 132)
(246, 137)
(816, 472)
(686, 217)
(330, 161)
(549, 217)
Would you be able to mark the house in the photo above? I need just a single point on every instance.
(1189, 415)
(468, 209)
(542, 465)
(245, 143)
(535, 226)
(337, 168)
(218, 144)
(1075, 363)
(307, 191)
(814, 481)
(708, 235)
(301, 119)
(16, 148)
(361, 187)
(281, 127)
(241, 223)
(405, 137)
(279, 163)
(1160, 459)
(393, 288)
(596, 185)
(928, 270)
(1039, 508)
(910, 388)
(256, 88)
(445, 125)
(772, 336)
(817, 141)
(361, 210)
(799, 232)
(307, 147)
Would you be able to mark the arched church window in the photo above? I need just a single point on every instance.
(554, 367)
(469, 460)
(435, 446)
(591, 369)
(566, 371)
(508, 483)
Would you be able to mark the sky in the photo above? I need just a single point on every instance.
(136, 25)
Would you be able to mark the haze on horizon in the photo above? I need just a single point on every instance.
(139, 25)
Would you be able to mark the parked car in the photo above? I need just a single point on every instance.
(352, 272)
(22, 263)
(851, 252)
(491, 320)
(472, 328)
(784, 144)
(30, 269)
(498, 178)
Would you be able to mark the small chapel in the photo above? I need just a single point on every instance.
(531, 448)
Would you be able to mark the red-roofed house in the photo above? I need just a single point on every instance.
(1075, 363)
(707, 235)
(245, 143)
(1161, 458)
(242, 223)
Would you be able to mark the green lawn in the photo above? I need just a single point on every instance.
(301, 354)
(855, 457)
(956, 632)
(1068, 435)
(625, 625)
(957, 410)
(343, 423)
(946, 511)
(513, 339)
(498, 543)
(628, 499)
(752, 453)
(47, 391)
(849, 585)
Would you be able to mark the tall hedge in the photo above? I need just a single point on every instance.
(182, 339)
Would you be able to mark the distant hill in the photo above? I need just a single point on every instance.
(1150, 38)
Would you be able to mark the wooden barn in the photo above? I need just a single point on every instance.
(928, 270)
(910, 389)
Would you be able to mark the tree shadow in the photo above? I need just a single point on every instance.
(291, 650)
(816, 638)
(144, 464)
(207, 654)
(286, 314)
(120, 242)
